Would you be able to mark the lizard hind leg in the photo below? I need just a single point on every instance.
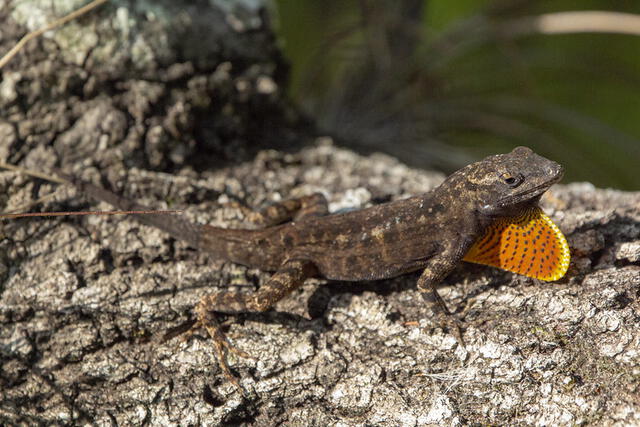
(290, 276)
(299, 208)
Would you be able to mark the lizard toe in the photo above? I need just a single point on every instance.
(221, 344)
(452, 325)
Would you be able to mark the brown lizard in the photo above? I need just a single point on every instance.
(431, 232)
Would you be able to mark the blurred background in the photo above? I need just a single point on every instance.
(440, 83)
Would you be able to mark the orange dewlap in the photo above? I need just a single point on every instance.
(529, 244)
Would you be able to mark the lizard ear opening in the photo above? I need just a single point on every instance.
(529, 244)
(488, 209)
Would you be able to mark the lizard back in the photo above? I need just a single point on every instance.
(374, 243)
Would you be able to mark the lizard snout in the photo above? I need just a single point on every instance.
(556, 170)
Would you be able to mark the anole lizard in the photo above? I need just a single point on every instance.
(485, 212)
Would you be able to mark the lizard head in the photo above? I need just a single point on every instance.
(505, 184)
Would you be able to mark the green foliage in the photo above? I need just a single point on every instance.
(440, 83)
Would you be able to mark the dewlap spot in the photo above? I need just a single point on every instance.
(529, 244)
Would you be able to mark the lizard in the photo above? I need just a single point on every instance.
(487, 212)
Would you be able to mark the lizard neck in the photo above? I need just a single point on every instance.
(456, 209)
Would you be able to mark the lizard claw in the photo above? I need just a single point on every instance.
(448, 322)
(456, 331)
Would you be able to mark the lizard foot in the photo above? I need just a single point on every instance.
(450, 323)
(446, 320)
(207, 320)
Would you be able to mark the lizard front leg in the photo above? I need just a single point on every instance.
(291, 275)
(438, 268)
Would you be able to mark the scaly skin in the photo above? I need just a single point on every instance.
(431, 232)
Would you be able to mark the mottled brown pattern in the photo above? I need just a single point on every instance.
(430, 232)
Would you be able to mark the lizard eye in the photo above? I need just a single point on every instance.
(510, 180)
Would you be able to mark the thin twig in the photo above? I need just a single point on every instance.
(140, 212)
(13, 214)
(58, 22)
(33, 173)
(33, 203)
(480, 29)
(588, 21)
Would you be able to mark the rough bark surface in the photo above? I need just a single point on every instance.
(85, 302)
(161, 85)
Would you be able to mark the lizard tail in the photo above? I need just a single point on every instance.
(176, 227)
